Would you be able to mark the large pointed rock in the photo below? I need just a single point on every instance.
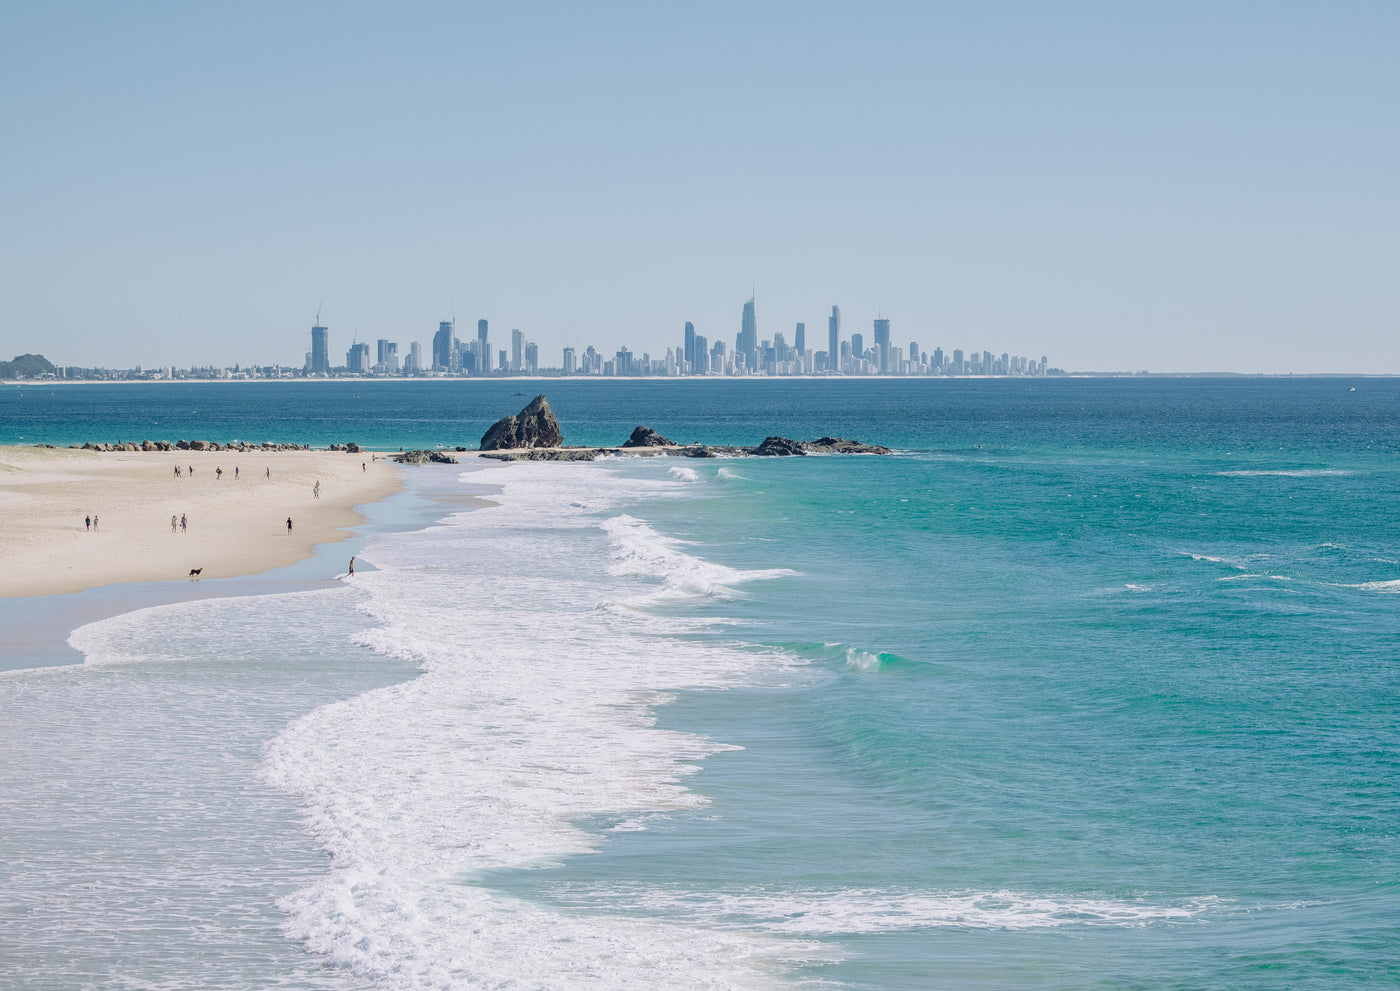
(534, 426)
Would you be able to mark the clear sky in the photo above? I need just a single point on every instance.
(1117, 185)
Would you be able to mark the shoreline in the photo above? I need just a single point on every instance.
(234, 524)
(38, 627)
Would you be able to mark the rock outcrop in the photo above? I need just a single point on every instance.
(423, 458)
(839, 445)
(779, 447)
(647, 437)
(534, 426)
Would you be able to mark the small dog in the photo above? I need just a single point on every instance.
(194, 574)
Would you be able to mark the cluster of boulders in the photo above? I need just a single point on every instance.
(424, 458)
(203, 445)
(533, 435)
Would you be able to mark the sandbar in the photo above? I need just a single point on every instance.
(236, 524)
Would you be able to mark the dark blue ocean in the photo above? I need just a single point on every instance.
(1091, 684)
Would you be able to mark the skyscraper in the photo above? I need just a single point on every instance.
(517, 350)
(748, 336)
(483, 347)
(320, 351)
(689, 346)
(882, 341)
(833, 340)
(444, 347)
(801, 336)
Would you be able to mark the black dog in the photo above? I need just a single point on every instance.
(194, 574)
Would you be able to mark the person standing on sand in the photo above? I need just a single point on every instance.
(235, 473)
(183, 523)
(87, 522)
(352, 567)
(219, 473)
(316, 490)
(362, 466)
(94, 521)
(289, 524)
(174, 524)
(269, 472)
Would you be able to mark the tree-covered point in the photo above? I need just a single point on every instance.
(26, 366)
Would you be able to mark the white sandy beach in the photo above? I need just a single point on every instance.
(237, 523)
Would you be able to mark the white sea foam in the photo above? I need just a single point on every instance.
(1286, 473)
(1386, 586)
(639, 550)
(535, 712)
(684, 474)
(861, 911)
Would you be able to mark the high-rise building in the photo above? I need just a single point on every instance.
(689, 346)
(882, 341)
(414, 364)
(483, 346)
(444, 347)
(857, 352)
(517, 350)
(700, 364)
(357, 358)
(801, 335)
(532, 358)
(748, 336)
(320, 351)
(833, 339)
(938, 359)
(570, 361)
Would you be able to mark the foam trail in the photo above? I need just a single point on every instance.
(535, 711)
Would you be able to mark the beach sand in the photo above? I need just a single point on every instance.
(236, 525)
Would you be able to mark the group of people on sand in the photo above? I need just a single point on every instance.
(180, 523)
(90, 522)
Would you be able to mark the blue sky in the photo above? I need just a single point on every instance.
(1185, 186)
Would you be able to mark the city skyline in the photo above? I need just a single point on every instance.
(1193, 187)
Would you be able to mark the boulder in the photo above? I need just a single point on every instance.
(534, 426)
(424, 457)
(647, 437)
(778, 447)
(199, 445)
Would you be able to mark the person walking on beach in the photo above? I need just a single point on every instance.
(177, 471)
(174, 524)
(362, 466)
(184, 524)
(94, 521)
(269, 472)
(289, 524)
(87, 522)
(352, 567)
(235, 473)
(219, 474)
(316, 491)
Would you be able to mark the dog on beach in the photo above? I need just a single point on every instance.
(194, 574)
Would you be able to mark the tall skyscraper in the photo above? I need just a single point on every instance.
(517, 350)
(801, 335)
(320, 351)
(444, 347)
(833, 340)
(483, 346)
(882, 341)
(689, 346)
(570, 361)
(414, 364)
(748, 336)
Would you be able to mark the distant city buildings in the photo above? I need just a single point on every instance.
(695, 354)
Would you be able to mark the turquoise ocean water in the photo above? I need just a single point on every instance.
(1091, 684)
